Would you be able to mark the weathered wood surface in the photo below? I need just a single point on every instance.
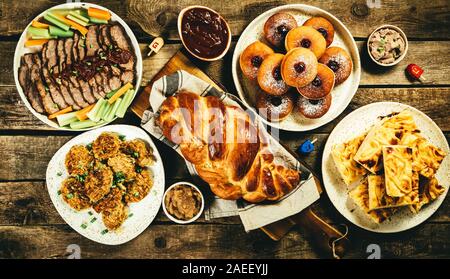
(214, 241)
(418, 20)
(30, 226)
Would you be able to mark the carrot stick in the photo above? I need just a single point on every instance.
(73, 24)
(82, 114)
(38, 42)
(120, 92)
(38, 24)
(100, 14)
(63, 111)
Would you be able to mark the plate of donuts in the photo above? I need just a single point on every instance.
(297, 67)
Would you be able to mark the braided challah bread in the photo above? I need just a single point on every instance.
(226, 148)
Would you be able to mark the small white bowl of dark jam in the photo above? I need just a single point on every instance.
(204, 32)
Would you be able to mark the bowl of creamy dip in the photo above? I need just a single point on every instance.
(387, 45)
(183, 202)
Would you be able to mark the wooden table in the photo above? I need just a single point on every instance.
(30, 227)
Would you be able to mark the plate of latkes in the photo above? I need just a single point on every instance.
(386, 167)
(297, 66)
(108, 183)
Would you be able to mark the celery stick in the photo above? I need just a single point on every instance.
(66, 119)
(97, 20)
(55, 31)
(84, 124)
(54, 20)
(93, 113)
(75, 19)
(38, 32)
(127, 99)
(42, 38)
(78, 15)
(102, 111)
(110, 115)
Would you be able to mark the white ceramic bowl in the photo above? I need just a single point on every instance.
(21, 50)
(172, 217)
(180, 17)
(400, 31)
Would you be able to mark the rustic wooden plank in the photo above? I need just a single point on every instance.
(429, 54)
(215, 241)
(432, 101)
(159, 17)
(416, 19)
(28, 203)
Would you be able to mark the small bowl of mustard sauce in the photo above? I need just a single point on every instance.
(204, 32)
(183, 203)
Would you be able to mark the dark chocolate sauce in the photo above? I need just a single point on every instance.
(204, 32)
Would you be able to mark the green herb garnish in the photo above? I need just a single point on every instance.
(136, 194)
(84, 226)
(93, 220)
(380, 49)
(104, 231)
(59, 173)
(119, 177)
(122, 137)
(59, 192)
(130, 215)
(90, 213)
(89, 146)
(138, 169)
(69, 196)
(81, 177)
(136, 154)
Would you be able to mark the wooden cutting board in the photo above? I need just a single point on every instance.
(323, 233)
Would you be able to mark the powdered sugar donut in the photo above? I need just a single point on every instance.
(275, 108)
(299, 67)
(314, 108)
(269, 75)
(338, 60)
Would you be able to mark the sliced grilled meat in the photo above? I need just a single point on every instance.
(76, 39)
(105, 83)
(82, 48)
(68, 44)
(86, 90)
(47, 102)
(104, 39)
(53, 89)
(94, 88)
(114, 81)
(50, 54)
(68, 95)
(127, 76)
(27, 83)
(61, 54)
(119, 37)
(76, 92)
(99, 81)
(92, 45)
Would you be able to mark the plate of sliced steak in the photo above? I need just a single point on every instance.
(72, 73)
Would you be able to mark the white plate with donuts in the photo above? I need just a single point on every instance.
(297, 66)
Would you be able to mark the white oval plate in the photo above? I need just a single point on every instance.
(21, 50)
(342, 94)
(353, 125)
(143, 212)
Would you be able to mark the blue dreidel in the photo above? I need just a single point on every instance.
(307, 147)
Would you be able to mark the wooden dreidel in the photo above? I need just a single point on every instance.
(155, 45)
(307, 147)
(415, 72)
